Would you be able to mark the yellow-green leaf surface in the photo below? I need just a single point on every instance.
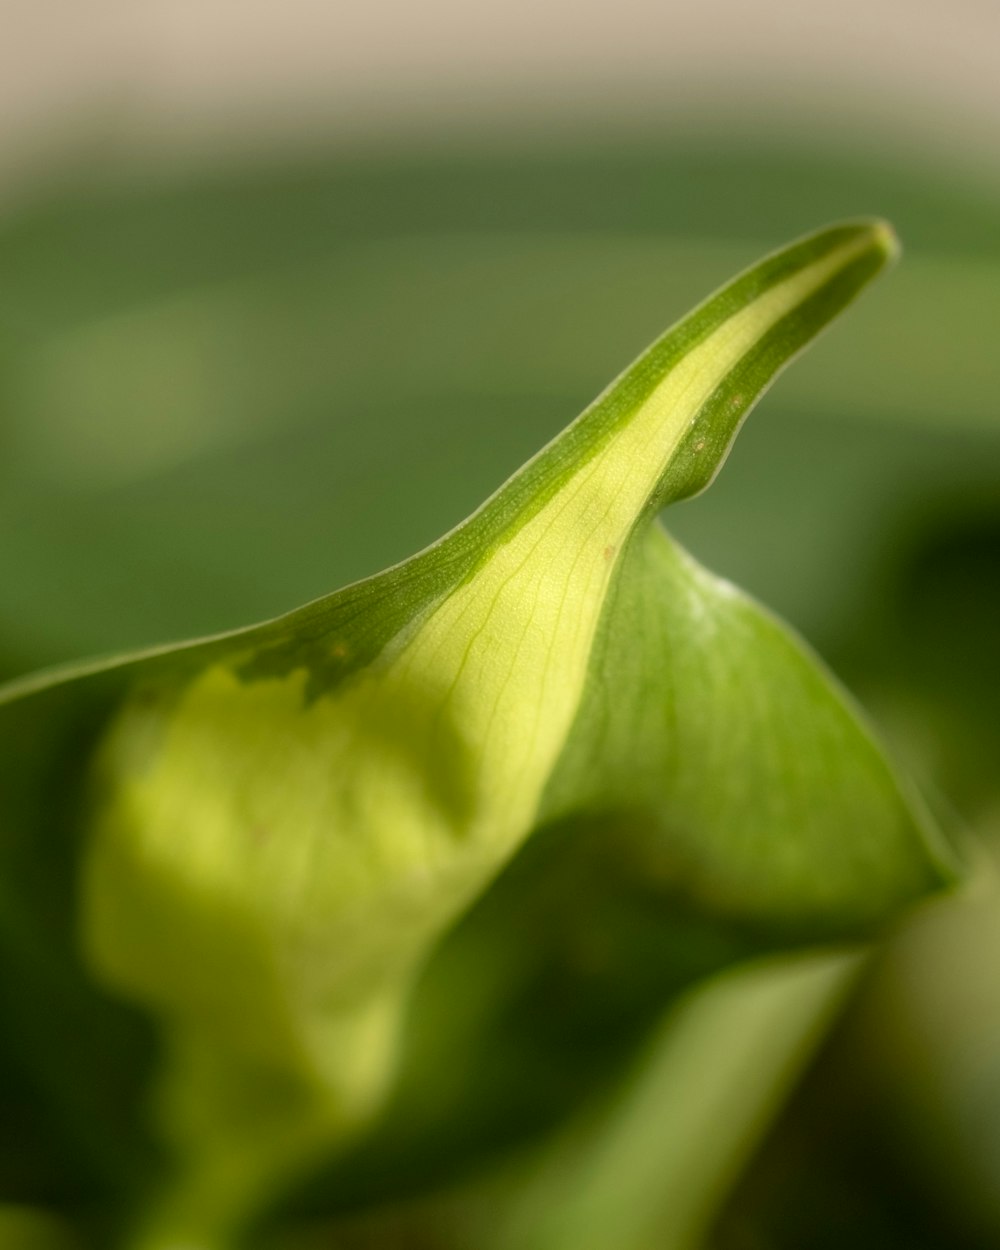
(279, 822)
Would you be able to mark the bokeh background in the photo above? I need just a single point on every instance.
(285, 291)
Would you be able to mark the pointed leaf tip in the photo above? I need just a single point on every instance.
(887, 238)
(396, 739)
(284, 819)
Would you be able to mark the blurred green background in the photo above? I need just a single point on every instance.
(234, 377)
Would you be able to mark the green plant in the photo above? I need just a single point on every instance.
(265, 834)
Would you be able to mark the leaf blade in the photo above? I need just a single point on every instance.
(285, 818)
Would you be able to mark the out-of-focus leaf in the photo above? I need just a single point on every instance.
(651, 1157)
(648, 1172)
(22, 1228)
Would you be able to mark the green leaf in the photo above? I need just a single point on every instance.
(281, 821)
(743, 774)
(652, 1167)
